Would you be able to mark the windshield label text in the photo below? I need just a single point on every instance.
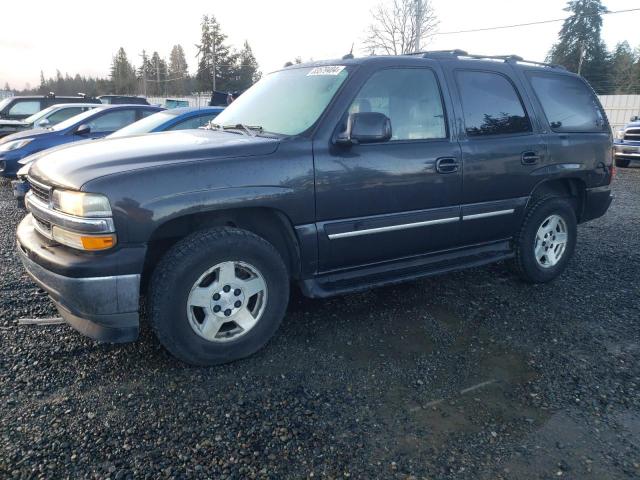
(328, 70)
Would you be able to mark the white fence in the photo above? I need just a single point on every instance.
(198, 100)
(620, 108)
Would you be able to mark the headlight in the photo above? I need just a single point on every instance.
(620, 134)
(14, 144)
(81, 204)
(24, 171)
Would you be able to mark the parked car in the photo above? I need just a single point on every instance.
(122, 100)
(19, 108)
(627, 143)
(338, 176)
(46, 118)
(166, 120)
(96, 123)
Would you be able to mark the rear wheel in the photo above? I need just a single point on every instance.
(546, 241)
(218, 295)
(622, 162)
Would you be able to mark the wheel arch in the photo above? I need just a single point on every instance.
(269, 223)
(572, 187)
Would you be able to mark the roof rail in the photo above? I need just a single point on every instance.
(461, 53)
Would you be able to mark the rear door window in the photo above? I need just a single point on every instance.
(61, 115)
(112, 121)
(568, 103)
(491, 105)
(27, 107)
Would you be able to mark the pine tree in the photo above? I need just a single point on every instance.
(158, 79)
(623, 70)
(214, 53)
(178, 71)
(580, 47)
(123, 76)
(247, 72)
(43, 84)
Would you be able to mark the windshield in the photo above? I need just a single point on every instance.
(286, 102)
(70, 122)
(145, 125)
(37, 116)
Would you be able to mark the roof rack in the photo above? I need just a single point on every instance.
(461, 53)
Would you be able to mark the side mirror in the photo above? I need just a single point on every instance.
(44, 123)
(83, 129)
(366, 127)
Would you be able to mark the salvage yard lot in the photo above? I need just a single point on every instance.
(468, 375)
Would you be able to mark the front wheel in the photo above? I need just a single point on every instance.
(546, 241)
(217, 296)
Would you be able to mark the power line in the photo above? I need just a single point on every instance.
(501, 27)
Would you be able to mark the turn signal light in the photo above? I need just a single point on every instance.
(82, 241)
(98, 243)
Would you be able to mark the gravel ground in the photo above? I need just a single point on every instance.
(469, 375)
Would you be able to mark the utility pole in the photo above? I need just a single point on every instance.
(418, 14)
(213, 59)
(144, 72)
(158, 75)
(582, 55)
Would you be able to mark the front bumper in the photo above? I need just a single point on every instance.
(626, 151)
(104, 308)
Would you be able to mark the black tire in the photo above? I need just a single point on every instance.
(525, 261)
(622, 162)
(183, 265)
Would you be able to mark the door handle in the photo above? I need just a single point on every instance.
(530, 158)
(447, 165)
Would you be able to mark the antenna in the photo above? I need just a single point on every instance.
(349, 55)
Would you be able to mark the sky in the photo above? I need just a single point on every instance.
(76, 37)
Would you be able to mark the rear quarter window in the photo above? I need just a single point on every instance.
(568, 103)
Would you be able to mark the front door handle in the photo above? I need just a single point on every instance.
(447, 165)
(530, 158)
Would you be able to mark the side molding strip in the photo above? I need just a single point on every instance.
(392, 228)
(488, 214)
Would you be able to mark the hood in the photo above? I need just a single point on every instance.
(12, 124)
(35, 133)
(632, 125)
(74, 166)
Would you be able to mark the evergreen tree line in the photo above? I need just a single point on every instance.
(235, 70)
(580, 49)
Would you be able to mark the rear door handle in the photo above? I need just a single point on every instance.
(447, 165)
(530, 158)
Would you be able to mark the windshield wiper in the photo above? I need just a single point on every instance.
(248, 129)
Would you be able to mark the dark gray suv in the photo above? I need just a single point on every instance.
(337, 176)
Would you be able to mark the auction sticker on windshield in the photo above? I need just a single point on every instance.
(327, 70)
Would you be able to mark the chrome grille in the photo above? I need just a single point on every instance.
(42, 226)
(632, 134)
(42, 192)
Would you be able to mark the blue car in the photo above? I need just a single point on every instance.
(96, 123)
(184, 118)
